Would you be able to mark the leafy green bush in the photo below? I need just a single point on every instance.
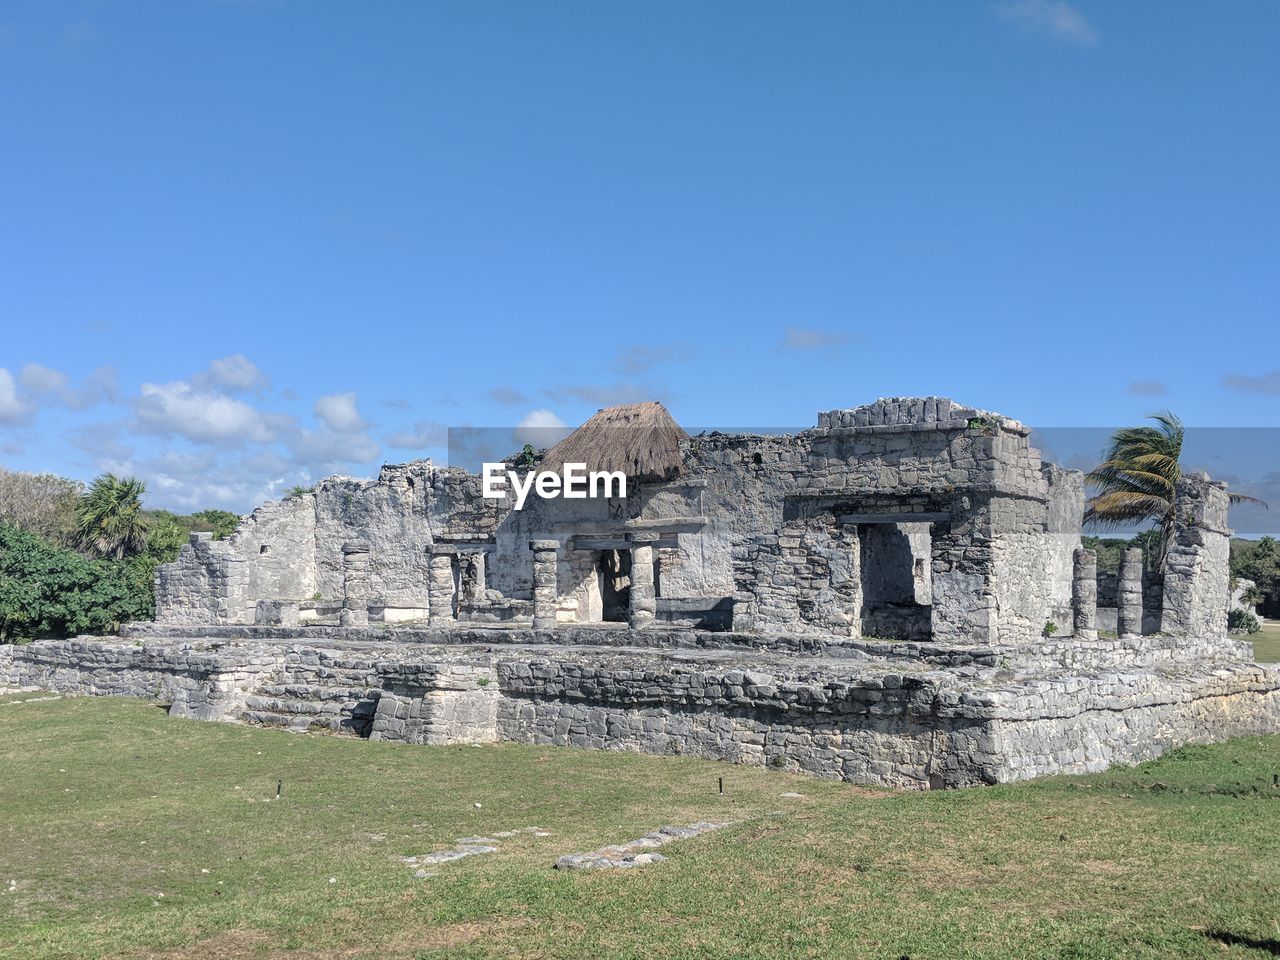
(1259, 561)
(1243, 621)
(49, 591)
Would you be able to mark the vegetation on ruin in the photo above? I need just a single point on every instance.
(128, 834)
(83, 561)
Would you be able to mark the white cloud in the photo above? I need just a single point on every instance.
(202, 479)
(1057, 18)
(13, 409)
(339, 413)
(640, 358)
(240, 453)
(46, 383)
(98, 387)
(101, 441)
(541, 428)
(235, 373)
(41, 380)
(322, 450)
(1267, 383)
(507, 396)
(1148, 388)
(203, 416)
(606, 395)
(423, 434)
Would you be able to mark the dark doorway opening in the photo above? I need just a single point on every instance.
(615, 585)
(896, 581)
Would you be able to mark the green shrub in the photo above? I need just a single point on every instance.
(49, 591)
(1243, 621)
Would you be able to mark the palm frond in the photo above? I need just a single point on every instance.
(1245, 498)
(1138, 477)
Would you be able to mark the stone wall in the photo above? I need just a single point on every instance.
(906, 715)
(1132, 717)
(208, 583)
(199, 683)
(277, 544)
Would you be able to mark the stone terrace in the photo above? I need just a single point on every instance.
(905, 715)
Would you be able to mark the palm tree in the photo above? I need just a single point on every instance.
(1138, 478)
(1252, 596)
(109, 518)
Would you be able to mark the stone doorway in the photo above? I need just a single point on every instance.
(894, 564)
(614, 571)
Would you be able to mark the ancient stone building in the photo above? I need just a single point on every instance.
(906, 519)
(897, 595)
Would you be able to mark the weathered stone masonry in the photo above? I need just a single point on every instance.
(896, 596)
(922, 717)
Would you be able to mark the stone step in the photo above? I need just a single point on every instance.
(288, 706)
(305, 691)
(301, 723)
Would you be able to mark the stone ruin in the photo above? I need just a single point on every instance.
(897, 596)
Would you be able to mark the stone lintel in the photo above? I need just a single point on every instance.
(904, 516)
(619, 542)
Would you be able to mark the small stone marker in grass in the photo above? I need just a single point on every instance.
(637, 853)
(466, 847)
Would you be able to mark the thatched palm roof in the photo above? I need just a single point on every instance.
(639, 439)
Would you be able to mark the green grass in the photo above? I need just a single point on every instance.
(107, 804)
(1266, 642)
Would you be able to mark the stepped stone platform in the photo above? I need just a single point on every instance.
(910, 715)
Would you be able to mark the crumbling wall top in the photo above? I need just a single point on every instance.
(916, 413)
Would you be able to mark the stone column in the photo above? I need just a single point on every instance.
(1197, 574)
(440, 583)
(1129, 594)
(644, 602)
(471, 575)
(355, 585)
(1084, 594)
(545, 559)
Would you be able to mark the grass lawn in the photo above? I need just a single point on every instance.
(1266, 642)
(124, 833)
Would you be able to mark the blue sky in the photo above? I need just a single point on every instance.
(243, 245)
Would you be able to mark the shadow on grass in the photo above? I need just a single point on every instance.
(1270, 945)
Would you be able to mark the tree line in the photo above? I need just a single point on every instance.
(77, 559)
